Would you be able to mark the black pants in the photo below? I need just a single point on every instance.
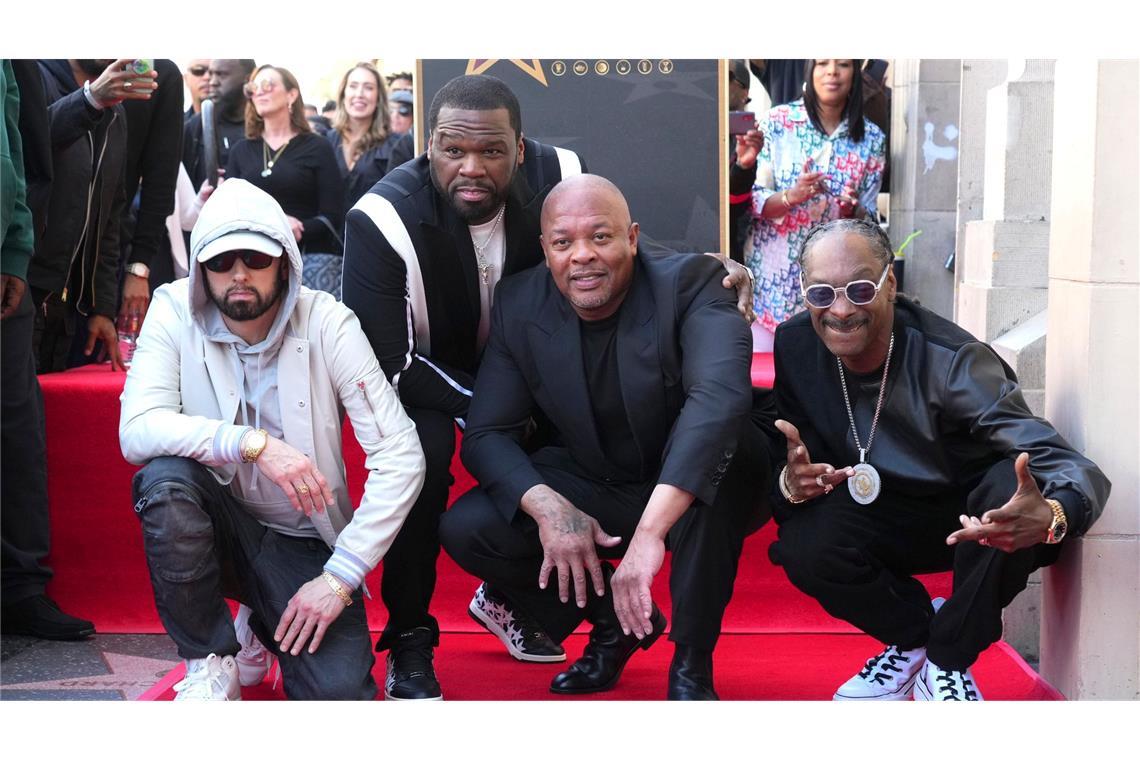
(23, 478)
(859, 561)
(408, 580)
(705, 543)
(202, 547)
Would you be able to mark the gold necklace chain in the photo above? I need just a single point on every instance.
(484, 267)
(267, 162)
(878, 406)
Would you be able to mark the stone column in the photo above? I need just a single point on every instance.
(1090, 637)
(924, 174)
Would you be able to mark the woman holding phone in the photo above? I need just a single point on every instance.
(282, 156)
(818, 159)
(361, 136)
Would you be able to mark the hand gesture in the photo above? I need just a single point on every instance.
(748, 147)
(568, 536)
(100, 328)
(296, 475)
(848, 203)
(1021, 522)
(739, 278)
(297, 226)
(633, 601)
(136, 298)
(117, 84)
(808, 185)
(309, 614)
(11, 293)
(806, 480)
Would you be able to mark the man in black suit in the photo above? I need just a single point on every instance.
(641, 363)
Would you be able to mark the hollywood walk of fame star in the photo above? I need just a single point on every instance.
(533, 67)
(130, 676)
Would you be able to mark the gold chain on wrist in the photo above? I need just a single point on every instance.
(338, 589)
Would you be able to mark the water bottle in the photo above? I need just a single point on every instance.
(128, 336)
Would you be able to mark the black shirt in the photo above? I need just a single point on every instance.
(599, 360)
(306, 182)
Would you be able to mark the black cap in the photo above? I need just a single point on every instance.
(738, 70)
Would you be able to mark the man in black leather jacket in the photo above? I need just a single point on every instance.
(961, 474)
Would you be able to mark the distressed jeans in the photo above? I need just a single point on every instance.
(203, 547)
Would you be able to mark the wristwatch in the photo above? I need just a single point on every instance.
(139, 269)
(252, 444)
(1060, 524)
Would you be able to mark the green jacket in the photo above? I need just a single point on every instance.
(17, 239)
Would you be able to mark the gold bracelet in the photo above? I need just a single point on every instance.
(787, 492)
(338, 589)
(787, 204)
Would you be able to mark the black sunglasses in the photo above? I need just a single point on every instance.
(859, 292)
(224, 262)
(198, 70)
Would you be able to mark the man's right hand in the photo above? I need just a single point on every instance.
(116, 84)
(11, 292)
(296, 475)
(568, 536)
(806, 480)
(748, 147)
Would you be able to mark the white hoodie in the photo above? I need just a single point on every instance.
(193, 387)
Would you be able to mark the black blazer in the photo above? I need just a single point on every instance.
(684, 356)
(410, 274)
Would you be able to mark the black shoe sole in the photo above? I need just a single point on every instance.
(81, 635)
(643, 644)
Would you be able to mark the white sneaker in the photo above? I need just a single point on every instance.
(254, 659)
(938, 685)
(211, 678)
(889, 676)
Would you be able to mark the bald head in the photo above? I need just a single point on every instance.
(590, 244)
(585, 190)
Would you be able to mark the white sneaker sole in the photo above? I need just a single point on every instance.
(388, 696)
(902, 695)
(482, 619)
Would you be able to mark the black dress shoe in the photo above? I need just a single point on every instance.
(39, 616)
(411, 674)
(690, 675)
(604, 658)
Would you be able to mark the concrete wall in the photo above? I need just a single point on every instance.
(924, 174)
(1090, 638)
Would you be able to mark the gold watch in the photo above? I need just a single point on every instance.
(253, 444)
(1060, 525)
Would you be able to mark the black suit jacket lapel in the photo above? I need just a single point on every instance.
(639, 366)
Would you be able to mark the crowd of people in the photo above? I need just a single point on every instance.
(491, 285)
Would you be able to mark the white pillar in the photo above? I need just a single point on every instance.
(1090, 637)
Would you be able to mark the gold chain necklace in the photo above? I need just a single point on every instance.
(268, 161)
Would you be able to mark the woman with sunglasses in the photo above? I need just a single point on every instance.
(361, 136)
(283, 157)
(820, 160)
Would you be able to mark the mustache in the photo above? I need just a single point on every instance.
(844, 324)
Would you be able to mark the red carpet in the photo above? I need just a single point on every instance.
(771, 629)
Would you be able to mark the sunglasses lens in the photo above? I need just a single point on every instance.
(223, 262)
(820, 296)
(198, 70)
(861, 292)
(256, 260)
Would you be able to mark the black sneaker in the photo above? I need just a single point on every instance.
(518, 631)
(410, 671)
(39, 616)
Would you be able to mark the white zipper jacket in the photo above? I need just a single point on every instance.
(183, 390)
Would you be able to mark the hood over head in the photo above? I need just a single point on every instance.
(241, 216)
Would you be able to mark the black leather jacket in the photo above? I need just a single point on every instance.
(952, 410)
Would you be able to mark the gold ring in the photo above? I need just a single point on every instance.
(819, 481)
(126, 85)
(302, 489)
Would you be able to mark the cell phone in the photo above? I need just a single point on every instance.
(740, 122)
(140, 67)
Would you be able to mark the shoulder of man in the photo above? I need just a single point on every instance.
(684, 276)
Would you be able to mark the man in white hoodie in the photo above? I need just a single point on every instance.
(234, 402)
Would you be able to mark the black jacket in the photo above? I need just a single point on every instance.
(79, 252)
(410, 274)
(684, 358)
(952, 410)
(369, 169)
(154, 149)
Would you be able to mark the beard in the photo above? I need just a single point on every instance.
(472, 213)
(243, 311)
(93, 67)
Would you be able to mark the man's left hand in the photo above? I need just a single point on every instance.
(308, 615)
(100, 328)
(136, 298)
(12, 292)
(1021, 522)
(633, 601)
(739, 277)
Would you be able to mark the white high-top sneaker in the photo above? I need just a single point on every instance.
(889, 676)
(210, 678)
(254, 659)
(937, 685)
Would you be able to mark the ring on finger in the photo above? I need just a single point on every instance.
(126, 85)
(302, 489)
(827, 488)
(819, 481)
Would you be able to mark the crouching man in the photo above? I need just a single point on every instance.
(234, 402)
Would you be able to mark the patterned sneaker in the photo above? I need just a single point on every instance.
(254, 659)
(888, 677)
(938, 685)
(211, 678)
(521, 635)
